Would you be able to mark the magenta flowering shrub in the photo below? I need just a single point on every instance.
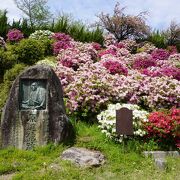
(96, 46)
(57, 46)
(115, 67)
(63, 41)
(14, 35)
(165, 71)
(143, 62)
(61, 37)
(160, 54)
(107, 51)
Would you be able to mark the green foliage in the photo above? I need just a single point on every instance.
(3, 23)
(23, 26)
(29, 51)
(77, 30)
(7, 60)
(61, 25)
(11, 74)
(158, 39)
(48, 49)
(80, 33)
(9, 77)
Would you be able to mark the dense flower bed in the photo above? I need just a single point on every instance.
(93, 76)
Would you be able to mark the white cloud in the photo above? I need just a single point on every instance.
(161, 11)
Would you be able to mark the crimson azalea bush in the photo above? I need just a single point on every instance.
(164, 127)
(14, 35)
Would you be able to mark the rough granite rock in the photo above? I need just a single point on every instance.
(26, 128)
(83, 157)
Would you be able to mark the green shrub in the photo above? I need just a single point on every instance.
(29, 51)
(7, 60)
(48, 48)
(158, 39)
(9, 77)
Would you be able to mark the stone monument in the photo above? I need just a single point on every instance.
(34, 113)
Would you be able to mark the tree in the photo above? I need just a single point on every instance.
(3, 23)
(124, 26)
(36, 11)
(172, 34)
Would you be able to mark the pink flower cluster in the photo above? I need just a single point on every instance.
(63, 41)
(115, 67)
(164, 71)
(14, 35)
(143, 62)
(160, 54)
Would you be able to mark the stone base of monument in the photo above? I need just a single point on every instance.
(160, 157)
(83, 157)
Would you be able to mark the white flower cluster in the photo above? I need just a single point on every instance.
(41, 34)
(107, 120)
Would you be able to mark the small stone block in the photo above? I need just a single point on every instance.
(160, 163)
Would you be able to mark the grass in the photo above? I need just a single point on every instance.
(121, 162)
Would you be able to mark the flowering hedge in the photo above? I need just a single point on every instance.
(107, 120)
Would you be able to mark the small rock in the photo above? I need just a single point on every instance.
(160, 163)
(83, 157)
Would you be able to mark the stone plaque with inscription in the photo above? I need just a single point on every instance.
(34, 113)
(124, 122)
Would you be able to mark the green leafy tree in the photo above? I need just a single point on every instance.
(37, 11)
(3, 23)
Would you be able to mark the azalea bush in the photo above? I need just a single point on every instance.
(107, 120)
(14, 35)
(164, 127)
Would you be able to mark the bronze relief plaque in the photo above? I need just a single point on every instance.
(32, 94)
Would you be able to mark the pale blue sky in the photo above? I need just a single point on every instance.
(161, 12)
